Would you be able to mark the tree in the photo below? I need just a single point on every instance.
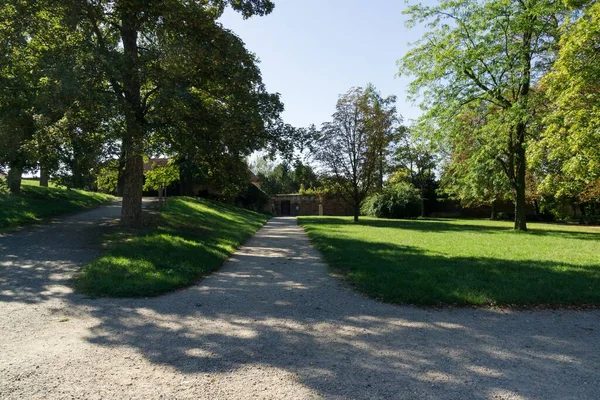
(283, 177)
(569, 149)
(349, 148)
(49, 121)
(471, 173)
(159, 177)
(491, 51)
(415, 163)
(21, 67)
(142, 49)
(382, 122)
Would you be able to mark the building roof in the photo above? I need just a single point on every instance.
(155, 162)
(253, 177)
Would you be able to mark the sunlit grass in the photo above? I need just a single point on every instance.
(35, 203)
(192, 238)
(463, 262)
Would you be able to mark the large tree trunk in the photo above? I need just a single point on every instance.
(520, 169)
(14, 177)
(356, 211)
(133, 173)
(44, 177)
(133, 176)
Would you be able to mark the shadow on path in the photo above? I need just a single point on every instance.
(274, 307)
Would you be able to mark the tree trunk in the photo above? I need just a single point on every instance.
(423, 213)
(186, 182)
(536, 207)
(44, 177)
(356, 211)
(133, 173)
(494, 214)
(133, 180)
(14, 177)
(380, 170)
(520, 167)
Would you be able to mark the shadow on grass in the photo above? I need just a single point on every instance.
(192, 239)
(35, 203)
(409, 275)
(449, 225)
(274, 307)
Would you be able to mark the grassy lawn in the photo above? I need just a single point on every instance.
(189, 239)
(462, 262)
(37, 202)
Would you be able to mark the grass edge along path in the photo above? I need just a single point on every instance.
(462, 262)
(36, 203)
(190, 239)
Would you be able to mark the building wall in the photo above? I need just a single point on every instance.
(309, 205)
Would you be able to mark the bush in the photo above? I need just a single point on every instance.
(398, 200)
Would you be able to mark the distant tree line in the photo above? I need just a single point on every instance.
(511, 93)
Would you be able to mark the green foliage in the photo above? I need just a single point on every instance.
(490, 53)
(193, 237)
(397, 200)
(284, 178)
(161, 176)
(569, 149)
(472, 174)
(35, 203)
(108, 177)
(462, 262)
(415, 160)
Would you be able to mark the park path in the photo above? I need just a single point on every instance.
(271, 323)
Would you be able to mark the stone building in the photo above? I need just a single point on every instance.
(303, 204)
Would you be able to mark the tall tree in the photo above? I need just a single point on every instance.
(133, 42)
(21, 78)
(569, 148)
(383, 123)
(491, 51)
(415, 161)
(350, 147)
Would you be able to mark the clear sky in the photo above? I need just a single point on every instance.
(311, 51)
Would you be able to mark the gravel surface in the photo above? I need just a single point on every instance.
(272, 323)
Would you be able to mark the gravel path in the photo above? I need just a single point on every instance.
(270, 324)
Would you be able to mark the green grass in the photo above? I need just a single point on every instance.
(35, 203)
(462, 262)
(192, 238)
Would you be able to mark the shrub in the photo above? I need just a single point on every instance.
(398, 200)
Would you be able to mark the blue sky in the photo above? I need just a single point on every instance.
(311, 51)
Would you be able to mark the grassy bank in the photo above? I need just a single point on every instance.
(462, 262)
(35, 203)
(189, 239)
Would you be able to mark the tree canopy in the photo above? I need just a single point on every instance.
(492, 52)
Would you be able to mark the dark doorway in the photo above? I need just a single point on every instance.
(286, 207)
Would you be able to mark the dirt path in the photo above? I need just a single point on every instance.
(270, 324)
